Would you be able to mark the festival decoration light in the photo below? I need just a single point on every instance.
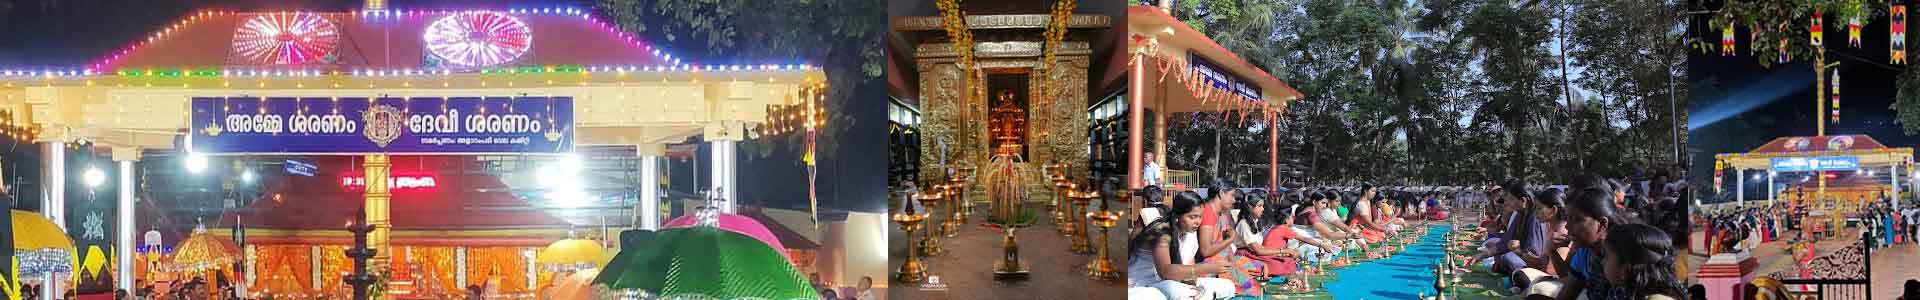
(106, 63)
(286, 38)
(478, 39)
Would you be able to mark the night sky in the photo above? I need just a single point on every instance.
(1785, 92)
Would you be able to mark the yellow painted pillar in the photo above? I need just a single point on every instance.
(376, 206)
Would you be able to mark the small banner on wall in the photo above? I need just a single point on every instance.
(352, 126)
(90, 222)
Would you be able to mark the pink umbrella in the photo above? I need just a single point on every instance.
(737, 224)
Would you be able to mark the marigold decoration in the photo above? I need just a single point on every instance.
(955, 23)
(1816, 36)
(285, 39)
(1898, 15)
(1853, 31)
(478, 39)
(1056, 30)
(1726, 39)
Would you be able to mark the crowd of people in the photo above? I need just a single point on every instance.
(1597, 237)
(1589, 239)
(1232, 242)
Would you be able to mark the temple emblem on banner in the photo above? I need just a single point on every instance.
(383, 124)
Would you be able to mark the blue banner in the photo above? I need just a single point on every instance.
(1807, 164)
(351, 126)
(1222, 79)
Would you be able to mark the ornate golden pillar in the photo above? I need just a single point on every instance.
(376, 206)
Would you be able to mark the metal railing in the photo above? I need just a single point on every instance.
(1829, 288)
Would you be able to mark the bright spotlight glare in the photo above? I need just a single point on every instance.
(247, 176)
(196, 163)
(94, 177)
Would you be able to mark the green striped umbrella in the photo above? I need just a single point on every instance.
(702, 262)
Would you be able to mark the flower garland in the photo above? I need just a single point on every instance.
(1241, 107)
(1056, 30)
(955, 23)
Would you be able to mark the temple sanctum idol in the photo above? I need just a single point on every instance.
(1006, 121)
(1000, 94)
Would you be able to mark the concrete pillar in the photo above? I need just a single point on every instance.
(1273, 154)
(1893, 177)
(1740, 186)
(53, 171)
(1136, 113)
(1770, 192)
(123, 237)
(649, 208)
(376, 171)
(723, 174)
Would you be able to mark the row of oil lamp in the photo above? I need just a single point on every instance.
(1068, 200)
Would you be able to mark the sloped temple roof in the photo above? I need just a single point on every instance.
(227, 43)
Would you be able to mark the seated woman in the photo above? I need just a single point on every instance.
(1362, 217)
(1164, 261)
(1286, 236)
(1345, 236)
(1530, 252)
(1256, 259)
(1526, 233)
(1590, 217)
(1318, 240)
(1637, 262)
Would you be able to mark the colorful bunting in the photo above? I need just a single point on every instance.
(1836, 94)
(1718, 169)
(1817, 37)
(1726, 39)
(1853, 31)
(1898, 15)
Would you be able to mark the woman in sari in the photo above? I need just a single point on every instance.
(1162, 264)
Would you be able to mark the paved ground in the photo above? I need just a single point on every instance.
(967, 266)
(1892, 267)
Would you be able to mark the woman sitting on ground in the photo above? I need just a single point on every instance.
(1348, 237)
(1590, 217)
(1526, 234)
(1362, 217)
(1164, 262)
(1313, 231)
(1638, 262)
(1256, 260)
(1216, 225)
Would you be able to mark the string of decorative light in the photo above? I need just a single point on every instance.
(108, 62)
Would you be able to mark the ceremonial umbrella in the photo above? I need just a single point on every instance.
(571, 254)
(702, 262)
(202, 251)
(738, 224)
(574, 286)
(40, 246)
